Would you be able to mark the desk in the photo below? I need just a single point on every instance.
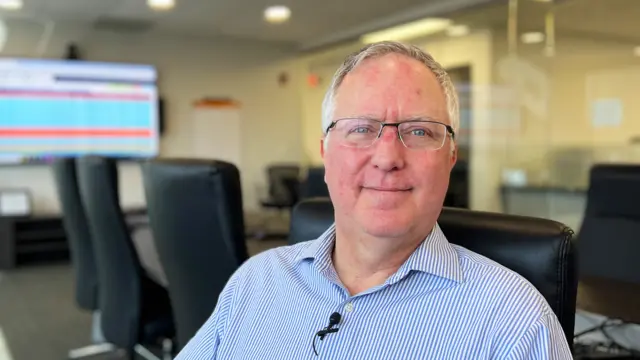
(610, 298)
(142, 238)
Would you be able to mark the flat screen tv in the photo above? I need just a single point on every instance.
(69, 108)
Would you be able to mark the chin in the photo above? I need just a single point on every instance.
(386, 224)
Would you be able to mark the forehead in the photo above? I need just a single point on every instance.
(391, 87)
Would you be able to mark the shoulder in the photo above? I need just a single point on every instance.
(516, 307)
(270, 263)
(511, 291)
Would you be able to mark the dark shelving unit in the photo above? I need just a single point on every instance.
(31, 239)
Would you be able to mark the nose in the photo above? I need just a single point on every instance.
(388, 152)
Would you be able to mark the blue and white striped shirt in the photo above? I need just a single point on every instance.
(445, 302)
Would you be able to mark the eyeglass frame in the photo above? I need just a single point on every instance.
(449, 128)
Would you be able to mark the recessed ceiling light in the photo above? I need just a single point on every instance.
(11, 4)
(277, 14)
(458, 30)
(534, 37)
(160, 4)
(407, 31)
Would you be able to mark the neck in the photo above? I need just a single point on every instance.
(363, 261)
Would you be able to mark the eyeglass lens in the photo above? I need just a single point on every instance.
(414, 134)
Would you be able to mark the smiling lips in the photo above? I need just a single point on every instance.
(387, 189)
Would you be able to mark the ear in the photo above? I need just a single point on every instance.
(322, 147)
(454, 155)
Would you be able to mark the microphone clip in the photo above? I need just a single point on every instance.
(333, 321)
(322, 333)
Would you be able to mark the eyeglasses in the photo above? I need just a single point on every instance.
(414, 134)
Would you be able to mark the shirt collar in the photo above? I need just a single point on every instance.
(435, 255)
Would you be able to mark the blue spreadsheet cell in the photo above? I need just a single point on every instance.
(75, 113)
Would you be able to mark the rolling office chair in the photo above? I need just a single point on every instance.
(609, 246)
(283, 186)
(612, 213)
(540, 250)
(135, 310)
(201, 198)
(284, 192)
(82, 256)
(313, 184)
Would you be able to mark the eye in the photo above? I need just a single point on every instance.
(360, 130)
(418, 131)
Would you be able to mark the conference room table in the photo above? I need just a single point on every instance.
(145, 247)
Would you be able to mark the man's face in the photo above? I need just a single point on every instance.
(386, 189)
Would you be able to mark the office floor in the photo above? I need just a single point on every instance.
(38, 317)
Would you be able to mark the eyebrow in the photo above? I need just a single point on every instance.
(410, 118)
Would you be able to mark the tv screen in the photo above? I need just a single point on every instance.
(67, 108)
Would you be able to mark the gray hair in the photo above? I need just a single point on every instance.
(391, 47)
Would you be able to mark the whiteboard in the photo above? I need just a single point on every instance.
(217, 134)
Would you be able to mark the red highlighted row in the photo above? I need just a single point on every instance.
(72, 95)
(4, 132)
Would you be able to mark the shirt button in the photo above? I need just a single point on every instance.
(349, 307)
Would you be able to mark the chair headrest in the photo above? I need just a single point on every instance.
(310, 218)
(613, 190)
(199, 196)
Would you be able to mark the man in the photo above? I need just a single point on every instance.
(384, 276)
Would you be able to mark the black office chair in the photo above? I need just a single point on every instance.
(81, 247)
(283, 186)
(195, 211)
(313, 185)
(135, 310)
(540, 250)
(608, 236)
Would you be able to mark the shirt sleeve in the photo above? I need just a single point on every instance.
(545, 340)
(204, 344)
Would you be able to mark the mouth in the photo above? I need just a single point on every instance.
(387, 189)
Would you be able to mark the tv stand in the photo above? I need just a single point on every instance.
(27, 238)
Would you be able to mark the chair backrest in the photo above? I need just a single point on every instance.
(78, 235)
(278, 176)
(313, 185)
(195, 212)
(540, 250)
(119, 269)
(608, 236)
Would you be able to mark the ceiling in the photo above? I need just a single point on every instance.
(614, 21)
(313, 22)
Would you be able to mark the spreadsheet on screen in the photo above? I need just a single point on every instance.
(54, 108)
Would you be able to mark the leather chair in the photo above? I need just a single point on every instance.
(608, 236)
(135, 310)
(540, 250)
(81, 247)
(283, 186)
(195, 212)
(314, 185)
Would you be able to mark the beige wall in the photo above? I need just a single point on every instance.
(188, 69)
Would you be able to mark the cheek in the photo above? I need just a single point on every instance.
(433, 173)
(343, 169)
